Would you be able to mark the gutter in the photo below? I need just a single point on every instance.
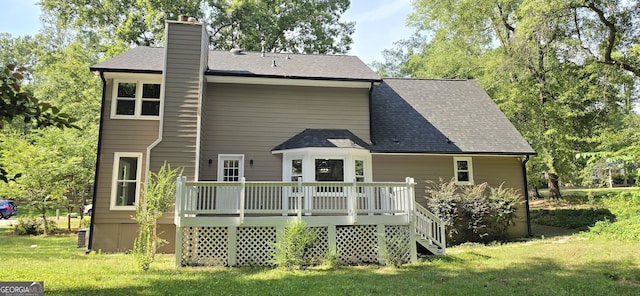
(95, 178)
(526, 194)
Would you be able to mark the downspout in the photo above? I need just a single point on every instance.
(370, 114)
(95, 178)
(526, 194)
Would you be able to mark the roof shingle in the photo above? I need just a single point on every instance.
(440, 116)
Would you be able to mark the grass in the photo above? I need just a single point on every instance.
(581, 264)
(569, 266)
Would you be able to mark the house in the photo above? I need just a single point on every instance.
(264, 138)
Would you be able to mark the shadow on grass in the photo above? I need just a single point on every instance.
(578, 219)
(536, 276)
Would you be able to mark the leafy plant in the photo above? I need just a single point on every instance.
(443, 202)
(290, 250)
(395, 251)
(33, 226)
(157, 197)
(331, 259)
(477, 213)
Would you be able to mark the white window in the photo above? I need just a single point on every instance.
(230, 167)
(126, 180)
(329, 170)
(463, 170)
(136, 99)
(359, 170)
(296, 169)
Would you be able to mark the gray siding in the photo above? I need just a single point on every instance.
(119, 135)
(253, 119)
(183, 81)
(491, 169)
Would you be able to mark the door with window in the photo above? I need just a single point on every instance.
(230, 169)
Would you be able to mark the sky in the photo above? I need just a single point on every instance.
(379, 23)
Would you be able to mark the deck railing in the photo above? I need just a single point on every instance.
(293, 198)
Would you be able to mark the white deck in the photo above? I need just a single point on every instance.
(228, 207)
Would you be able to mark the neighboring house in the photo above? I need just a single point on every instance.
(316, 137)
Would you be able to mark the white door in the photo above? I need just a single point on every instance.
(230, 169)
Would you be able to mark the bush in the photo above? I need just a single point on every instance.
(396, 251)
(85, 223)
(33, 226)
(290, 250)
(626, 208)
(477, 213)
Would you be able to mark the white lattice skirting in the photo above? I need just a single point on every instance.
(254, 246)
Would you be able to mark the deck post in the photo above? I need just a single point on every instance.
(242, 191)
(299, 201)
(232, 245)
(180, 197)
(353, 202)
(380, 229)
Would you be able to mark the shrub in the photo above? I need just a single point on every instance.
(443, 202)
(477, 210)
(503, 203)
(626, 208)
(33, 226)
(290, 249)
(477, 213)
(395, 251)
(331, 259)
(85, 223)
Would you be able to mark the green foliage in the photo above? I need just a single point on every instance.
(331, 259)
(290, 250)
(477, 213)
(626, 226)
(396, 250)
(157, 197)
(85, 223)
(537, 267)
(33, 226)
(537, 61)
(281, 25)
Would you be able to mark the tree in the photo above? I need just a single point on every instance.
(16, 103)
(43, 168)
(278, 25)
(539, 61)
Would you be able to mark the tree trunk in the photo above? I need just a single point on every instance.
(533, 192)
(554, 187)
(45, 223)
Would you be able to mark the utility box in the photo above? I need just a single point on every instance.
(83, 238)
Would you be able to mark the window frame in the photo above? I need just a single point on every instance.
(310, 154)
(469, 170)
(114, 180)
(138, 99)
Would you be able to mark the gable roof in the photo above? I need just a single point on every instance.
(330, 138)
(301, 66)
(440, 116)
(308, 66)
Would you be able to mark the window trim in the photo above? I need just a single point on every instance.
(220, 168)
(138, 100)
(310, 154)
(469, 170)
(114, 180)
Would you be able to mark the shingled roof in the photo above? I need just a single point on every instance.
(320, 67)
(331, 138)
(440, 116)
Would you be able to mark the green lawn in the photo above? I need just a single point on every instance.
(564, 266)
(582, 264)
